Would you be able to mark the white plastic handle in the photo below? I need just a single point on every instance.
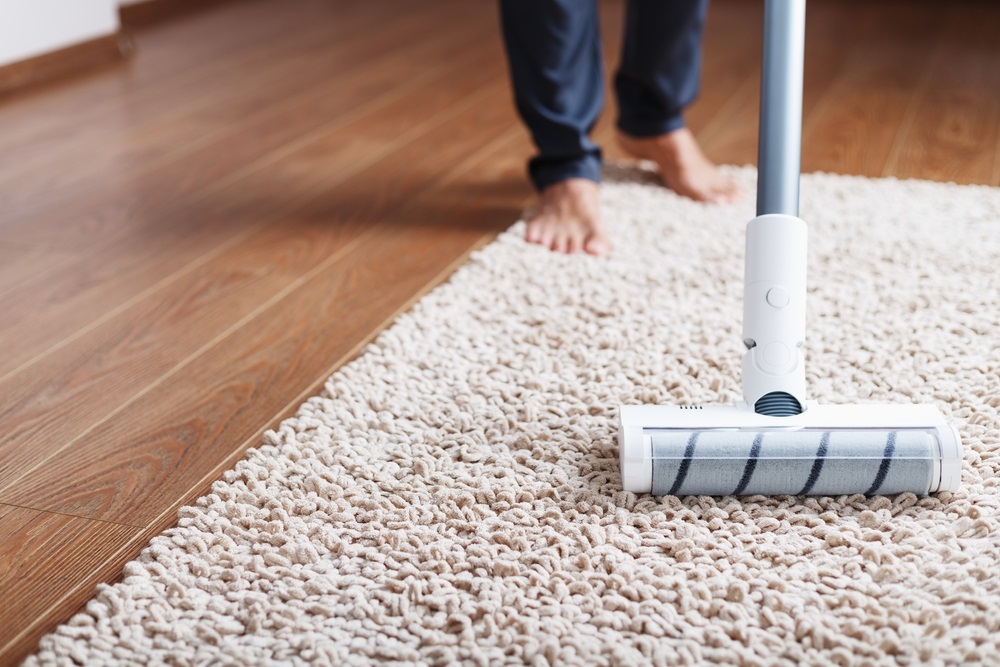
(774, 307)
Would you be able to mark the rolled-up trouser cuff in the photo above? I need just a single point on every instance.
(545, 171)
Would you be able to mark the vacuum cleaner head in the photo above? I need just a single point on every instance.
(830, 450)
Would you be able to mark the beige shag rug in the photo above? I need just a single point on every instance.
(453, 495)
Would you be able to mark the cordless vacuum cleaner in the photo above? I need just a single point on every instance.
(775, 441)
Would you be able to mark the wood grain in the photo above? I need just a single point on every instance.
(109, 366)
(852, 128)
(18, 263)
(41, 117)
(43, 555)
(196, 420)
(176, 210)
(950, 132)
(173, 63)
(49, 181)
(255, 134)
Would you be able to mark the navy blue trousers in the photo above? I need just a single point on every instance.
(554, 52)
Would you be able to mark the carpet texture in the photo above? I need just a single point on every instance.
(453, 495)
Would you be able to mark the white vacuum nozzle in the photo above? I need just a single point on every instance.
(826, 450)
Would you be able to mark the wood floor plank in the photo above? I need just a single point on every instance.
(18, 263)
(103, 370)
(126, 200)
(42, 556)
(54, 306)
(852, 128)
(731, 137)
(221, 44)
(953, 129)
(45, 181)
(295, 94)
(104, 120)
(193, 421)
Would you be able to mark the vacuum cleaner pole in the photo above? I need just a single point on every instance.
(779, 153)
(774, 293)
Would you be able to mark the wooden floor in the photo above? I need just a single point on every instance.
(192, 241)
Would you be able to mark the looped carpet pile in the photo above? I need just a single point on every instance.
(453, 495)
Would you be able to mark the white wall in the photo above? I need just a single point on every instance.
(32, 27)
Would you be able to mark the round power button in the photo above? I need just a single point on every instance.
(778, 297)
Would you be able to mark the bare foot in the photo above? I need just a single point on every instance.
(568, 219)
(683, 166)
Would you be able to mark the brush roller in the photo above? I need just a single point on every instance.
(842, 451)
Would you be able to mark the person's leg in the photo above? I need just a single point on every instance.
(657, 79)
(554, 52)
